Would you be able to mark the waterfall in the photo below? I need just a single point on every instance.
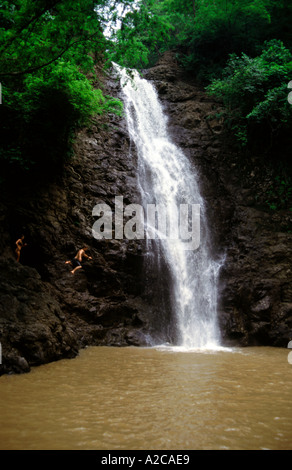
(167, 180)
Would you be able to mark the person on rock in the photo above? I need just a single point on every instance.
(19, 245)
(77, 260)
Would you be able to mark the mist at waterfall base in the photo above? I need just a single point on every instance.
(180, 283)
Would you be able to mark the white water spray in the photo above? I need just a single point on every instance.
(166, 177)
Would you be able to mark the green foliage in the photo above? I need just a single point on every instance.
(61, 76)
(48, 49)
(254, 92)
(202, 32)
(221, 28)
(142, 33)
(37, 33)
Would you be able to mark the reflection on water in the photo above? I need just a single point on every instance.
(151, 399)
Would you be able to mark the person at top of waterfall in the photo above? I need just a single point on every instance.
(19, 245)
(77, 260)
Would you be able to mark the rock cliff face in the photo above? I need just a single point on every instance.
(255, 285)
(46, 313)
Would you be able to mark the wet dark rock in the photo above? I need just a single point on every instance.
(32, 327)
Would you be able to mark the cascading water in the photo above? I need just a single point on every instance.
(167, 180)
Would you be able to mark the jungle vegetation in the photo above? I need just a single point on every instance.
(52, 52)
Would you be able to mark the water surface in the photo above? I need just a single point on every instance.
(151, 399)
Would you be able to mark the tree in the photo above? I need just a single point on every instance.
(142, 33)
(202, 32)
(47, 49)
(254, 92)
(38, 33)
